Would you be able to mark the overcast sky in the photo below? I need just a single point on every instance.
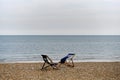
(59, 17)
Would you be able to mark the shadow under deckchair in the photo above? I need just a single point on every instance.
(48, 61)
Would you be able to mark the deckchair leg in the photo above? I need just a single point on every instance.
(72, 63)
(53, 66)
(43, 66)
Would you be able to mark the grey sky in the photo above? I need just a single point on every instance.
(62, 17)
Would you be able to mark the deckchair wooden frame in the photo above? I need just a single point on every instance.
(70, 59)
(48, 61)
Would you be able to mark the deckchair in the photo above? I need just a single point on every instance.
(69, 58)
(48, 61)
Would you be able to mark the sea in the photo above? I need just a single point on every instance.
(87, 48)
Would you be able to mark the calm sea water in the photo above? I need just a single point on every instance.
(86, 48)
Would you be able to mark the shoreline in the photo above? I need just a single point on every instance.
(76, 61)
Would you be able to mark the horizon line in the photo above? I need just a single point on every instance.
(58, 35)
